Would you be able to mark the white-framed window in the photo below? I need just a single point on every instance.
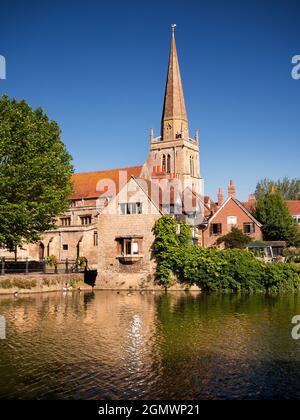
(129, 246)
(135, 248)
(131, 208)
(232, 220)
(297, 219)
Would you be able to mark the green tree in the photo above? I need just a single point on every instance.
(35, 170)
(289, 188)
(272, 211)
(234, 239)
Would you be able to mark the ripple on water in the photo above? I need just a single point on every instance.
(111, 346)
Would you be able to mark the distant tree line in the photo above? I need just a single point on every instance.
(288, 188)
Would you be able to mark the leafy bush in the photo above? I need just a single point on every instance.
(52, 261)
(232, 270)
(46, 282)
(235, 239)
(24, 284)
(5, 284)
(82, 262)
(73, 282)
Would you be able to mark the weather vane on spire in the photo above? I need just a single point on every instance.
(173, 26)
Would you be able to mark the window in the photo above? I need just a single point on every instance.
(129, 246)
(297, 219)
(192, 165)
(163, 163)
(65, 221)
(130, 208)
(95, 238)
(168, 164)
(232, 220)
(216, 229)
(249, 228)
(86, 220)
(65, 247)
(135, 248)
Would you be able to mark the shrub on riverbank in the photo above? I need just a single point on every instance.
(17, 283)
(217, 270)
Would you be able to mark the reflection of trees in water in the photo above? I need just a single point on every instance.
(236, 325)
(226, 346)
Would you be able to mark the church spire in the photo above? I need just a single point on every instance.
(174, 118)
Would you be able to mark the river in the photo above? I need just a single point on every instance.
(110, 345)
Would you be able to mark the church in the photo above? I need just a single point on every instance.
(112, 212)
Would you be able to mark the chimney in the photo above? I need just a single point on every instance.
(252, 198)
(231, 189)
(220, 197)
(273, 189)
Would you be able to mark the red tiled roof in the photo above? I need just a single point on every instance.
(249, 205)
(294, 207)
(85, 183)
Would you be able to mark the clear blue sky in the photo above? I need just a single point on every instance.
(99, 69)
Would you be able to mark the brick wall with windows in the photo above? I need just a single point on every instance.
(230, 215)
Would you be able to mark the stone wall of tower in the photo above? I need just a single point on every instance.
(181, 152)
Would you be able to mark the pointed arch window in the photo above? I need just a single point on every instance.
(163, 162)
(192, 172)
(168, 164)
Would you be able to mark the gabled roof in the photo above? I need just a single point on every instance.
(85, 183)
(145, 186)
(241, 206)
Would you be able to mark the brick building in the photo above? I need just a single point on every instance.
(225, 214)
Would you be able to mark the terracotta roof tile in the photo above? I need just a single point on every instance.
(294, 207)
(85, 183)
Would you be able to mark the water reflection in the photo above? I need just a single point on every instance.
(108, 345)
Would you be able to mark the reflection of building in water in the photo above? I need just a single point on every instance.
(112, 324)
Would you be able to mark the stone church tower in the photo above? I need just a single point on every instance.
(174, 155)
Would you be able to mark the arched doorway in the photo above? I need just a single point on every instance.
(41, 251)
